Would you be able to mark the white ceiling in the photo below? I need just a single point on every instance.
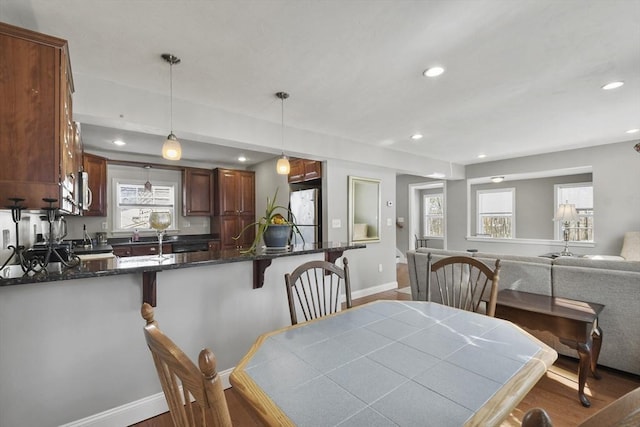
(522, 76)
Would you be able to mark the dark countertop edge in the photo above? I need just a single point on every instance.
(93, 268)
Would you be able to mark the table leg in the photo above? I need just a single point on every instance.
(584, 351)
(596, 336)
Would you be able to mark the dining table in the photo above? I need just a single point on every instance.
(391, 363)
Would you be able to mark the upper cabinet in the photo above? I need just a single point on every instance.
(235, 192)
(233, 207)
(197, 192)
(39, 143)
(304, 170)
(96, 167)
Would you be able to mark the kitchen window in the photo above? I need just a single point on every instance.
(134, 203)
(433, 216)
(580, 195)
(496, 213)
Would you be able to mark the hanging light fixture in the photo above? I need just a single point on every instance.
(283, 167)
(171, 149)
(147, 185)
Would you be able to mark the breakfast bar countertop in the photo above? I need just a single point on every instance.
(151, 263)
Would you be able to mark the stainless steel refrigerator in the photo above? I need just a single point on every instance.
(304, 206)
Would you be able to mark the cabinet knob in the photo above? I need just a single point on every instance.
(152, 249)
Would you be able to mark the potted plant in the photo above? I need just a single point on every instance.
(273, 227)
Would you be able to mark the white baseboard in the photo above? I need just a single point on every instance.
(134, 412)
(374, 290)
(150, 406)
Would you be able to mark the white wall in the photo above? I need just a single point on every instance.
(363, 263)
(71, 349)
(616, 174)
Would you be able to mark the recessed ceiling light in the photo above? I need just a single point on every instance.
(119, 142)
(482, 156)
(242, 159)
(633, 131)
(433, 71)
(497, 179)
(416, 136)
(612, 85)
(436, 175)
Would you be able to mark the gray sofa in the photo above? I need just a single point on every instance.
(616, 284)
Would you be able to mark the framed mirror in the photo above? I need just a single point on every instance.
(364, 210)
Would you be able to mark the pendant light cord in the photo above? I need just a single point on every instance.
(282, 123)
(171, 94)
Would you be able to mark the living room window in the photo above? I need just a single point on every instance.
(433, 215)
(496, 213)
(580, 195)
(134, 203)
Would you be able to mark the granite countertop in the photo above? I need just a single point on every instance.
(145, 240)
(151, 263)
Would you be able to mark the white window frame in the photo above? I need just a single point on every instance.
(426, 215)
(172, 207)
(479, 228)
(558, 230)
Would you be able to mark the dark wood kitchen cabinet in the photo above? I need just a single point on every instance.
(39, 142)
(96, 167)
(234, 207)
(304, 170)
(197, 192)
(141, 250)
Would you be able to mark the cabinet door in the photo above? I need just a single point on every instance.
(246, 193)
(96, 167)
(197, 192)
(122, 250)
(312, 169)
(296, 171)
(228, 230)
(227, 188)
(247, 237)
(29, 145)
(214, 245)
(151, 249)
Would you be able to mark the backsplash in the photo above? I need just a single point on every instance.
(29, 226)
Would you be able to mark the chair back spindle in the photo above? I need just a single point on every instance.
(463, 282)
(314, 289)
(194, 395)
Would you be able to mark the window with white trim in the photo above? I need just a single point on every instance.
(496, 213)
(134, 203)
(433, 215)
(580, 195)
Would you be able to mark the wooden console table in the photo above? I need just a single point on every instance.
(575, 323)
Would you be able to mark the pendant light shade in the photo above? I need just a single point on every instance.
(283, 167)
(171, 149)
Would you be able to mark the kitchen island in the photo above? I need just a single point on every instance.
(75, 344)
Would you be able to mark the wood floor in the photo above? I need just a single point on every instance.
(556, 392)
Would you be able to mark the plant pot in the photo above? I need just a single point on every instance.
(277, 235)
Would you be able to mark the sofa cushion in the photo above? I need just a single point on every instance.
(633, 266)
(631, 246)
(522, 273)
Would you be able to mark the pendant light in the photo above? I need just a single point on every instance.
(147, 185)
(171, 149)
(283, 167)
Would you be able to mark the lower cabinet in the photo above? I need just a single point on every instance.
(141, 250)
(230, 226)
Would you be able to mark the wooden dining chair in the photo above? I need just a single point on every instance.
(195, 396)
(463, 282)
(622, 412)
(314, 289)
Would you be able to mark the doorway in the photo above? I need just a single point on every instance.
(419, 234)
